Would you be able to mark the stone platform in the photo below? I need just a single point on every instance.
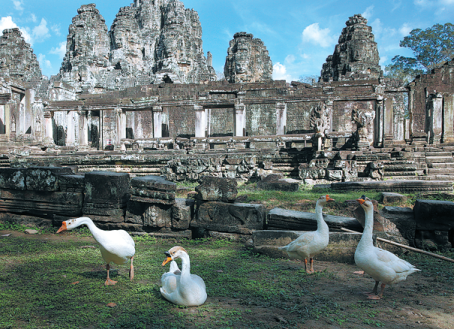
(405, 186)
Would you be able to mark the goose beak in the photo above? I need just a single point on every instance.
(168, 259)
(62, 228)
(361, 201)
(328, 199)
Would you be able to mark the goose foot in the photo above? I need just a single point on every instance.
(374, 297)
(374, 291)
(110, 282)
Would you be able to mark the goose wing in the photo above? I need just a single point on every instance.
(391, 260)
(303, 240)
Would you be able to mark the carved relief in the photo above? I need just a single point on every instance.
(365, 127)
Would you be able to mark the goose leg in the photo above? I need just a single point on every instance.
(312, 266)
(131, 270)
(374, 291)
(380, 295)
(109, 281)
(305, 265)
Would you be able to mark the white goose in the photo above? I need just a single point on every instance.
(182, 287)
(380, 264)
(116, 246)
(308, 244)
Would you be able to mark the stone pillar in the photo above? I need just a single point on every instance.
(388, 118)
(83, 128)
(448, 119)
(281, 118)
(200, 121)
(121, 126)
(2, 120)
(407, 130)
(48, 127)
(379, 122)
(435, 117)
(70, 128)
(157, 121)
(240, 119)
(29, 100)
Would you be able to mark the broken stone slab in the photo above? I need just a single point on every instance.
(41, 203)
(32, 179)
(72, 183)
(149, 215)
(153, 187)
(435, 240)
(394, 185)
(182, 213)
(389, 198)
(288, 185)
(95, 209)
(279, 218)
(434, 215)
(404, 219)
(107, 188)
(239, 218)
(217, 189)
(12, 179)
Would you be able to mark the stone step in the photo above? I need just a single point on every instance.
(439, 159)
(410, 174)
(438, 154)
(443, 165)
(441, 177)
(442, 171)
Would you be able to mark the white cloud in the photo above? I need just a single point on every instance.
(60, 50)
(313, 34)
(43, 62)
(33, 18)
(368, 12)
(377, 27)
(405, 29)
(41, 31)
(421, 3)
(289, 59)
(383, 59)
(7, 23)
(18, 5)
(56, 29)
(280, 72)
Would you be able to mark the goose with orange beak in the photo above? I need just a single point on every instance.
(182, 287)
(382, 265)
(116, 246)
(309, 244)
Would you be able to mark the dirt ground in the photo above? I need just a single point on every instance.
(425, 300)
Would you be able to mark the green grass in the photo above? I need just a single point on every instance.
(246, 290)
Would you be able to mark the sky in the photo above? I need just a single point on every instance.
(298, 34)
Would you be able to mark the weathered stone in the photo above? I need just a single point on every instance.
(20, 218)
(289, 185)
(150, 188)
(229, 236)
(182, 213)
(109, 188)
(12, 179)
(434, 215)
(389, 198)
(247, 60)
(381, 224)
(157, 215)
(44, 178)
(279, 218)
(433, 240)
(404, 220)
(232, 218)
(217, 189)
(71, 183)
(356, 54)
(394, 185)
(102, 210)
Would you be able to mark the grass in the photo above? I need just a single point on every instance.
(55, 283)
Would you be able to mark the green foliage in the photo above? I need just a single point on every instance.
(431, 47)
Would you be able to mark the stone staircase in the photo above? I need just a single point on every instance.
(440, 165)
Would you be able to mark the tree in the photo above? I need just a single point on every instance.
(431, 48)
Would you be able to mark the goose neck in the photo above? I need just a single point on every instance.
(321, 224)
(185, 265)
(368, 227)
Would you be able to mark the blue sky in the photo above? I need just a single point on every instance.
(299, 34)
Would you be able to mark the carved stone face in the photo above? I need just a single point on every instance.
(241, 57)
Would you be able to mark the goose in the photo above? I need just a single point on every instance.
(116, 246)
(182, 287)
(382, 265)
(308, 244)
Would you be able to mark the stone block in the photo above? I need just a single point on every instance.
(101, 210)
(182, 213)
(72, 183)
(107, 188)
(230, 217)
(433, 215)
(44, 178)
(289, 185)
(12, 179)
(394, 185)
(217, 189)
(279, 218)
(389, 198)
(433, 240)
(158, 215)
(404, 220)
(336, 175)
(153, 183)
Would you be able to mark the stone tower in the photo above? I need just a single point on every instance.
(17, 59)
(247, 60)
(356, 56)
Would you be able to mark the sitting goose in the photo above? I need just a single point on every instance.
(308, 244)
(380, 264)
(182, 287)
(116, 246)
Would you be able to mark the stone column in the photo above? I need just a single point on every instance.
(83, 128)
(435, 117)
(157, 121)
(388, 122)
(240, 119)
(448, 119)
(379, 130)
(2, 120)
(281, 118)
(121, 126)
(29, 100)
(48, 128)
(70, 128)
(200, 121)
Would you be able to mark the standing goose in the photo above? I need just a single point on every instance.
(116, 246)
(182, 287)
(380, 264)
(308, 244)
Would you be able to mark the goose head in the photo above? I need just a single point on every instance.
(174, 253)
(324, 199)
(71, 224)
(366, 203)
